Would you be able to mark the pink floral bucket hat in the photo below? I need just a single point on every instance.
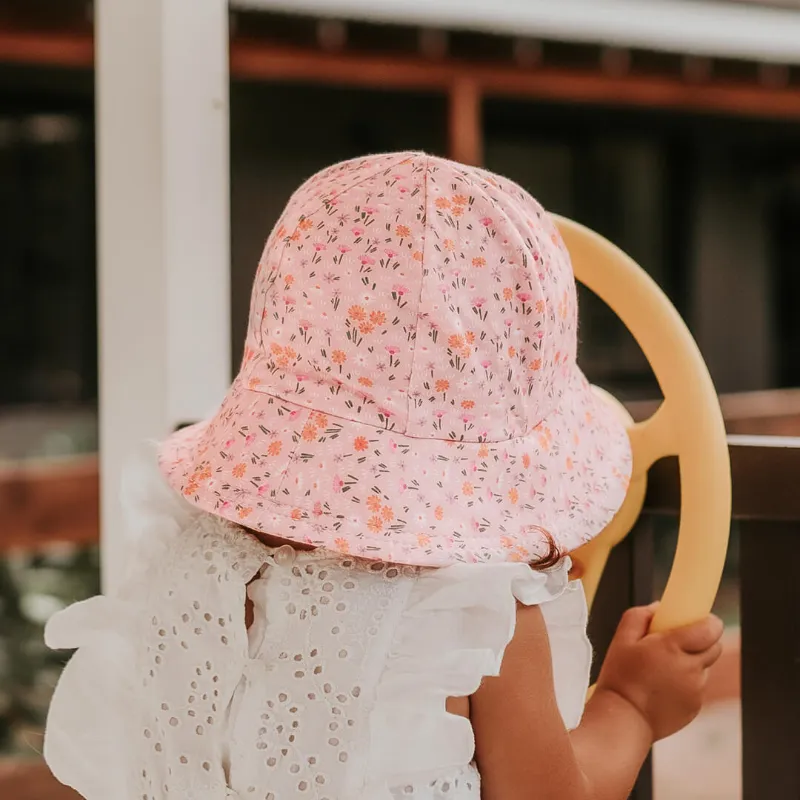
(409, 390)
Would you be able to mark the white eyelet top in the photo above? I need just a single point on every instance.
(336, 692)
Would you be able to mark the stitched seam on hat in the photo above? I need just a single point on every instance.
(419, 298)
(407, 156)
(312, 410)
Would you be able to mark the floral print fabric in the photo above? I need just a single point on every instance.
(409, 390)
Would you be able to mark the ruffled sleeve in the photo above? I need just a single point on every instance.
(104, 726)
(453, 633)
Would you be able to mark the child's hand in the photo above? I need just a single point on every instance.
(663, 675)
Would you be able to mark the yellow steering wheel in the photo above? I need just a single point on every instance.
(688, 423)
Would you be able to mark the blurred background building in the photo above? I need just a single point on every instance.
(670, 126)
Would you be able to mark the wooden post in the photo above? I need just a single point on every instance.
(163, 228)
(770, 600)
(465, 124)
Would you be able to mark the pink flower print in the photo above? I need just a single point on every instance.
(249, 439)
(293, 414)
(478, 302)
(467, 418)
(357, 231)
(367, 260)
(289, 301)
(229, 444)
(400, 289)
(305, 324)
(263, 489)
(402, 189)
(317, 511)
(392, 350)
(320, 246)
(338, 484)
(523, 297)
(343, 248)
(486, 363)
(486, 221)
(509, 323)
(390, 253)
(402, 486)
(369, 210)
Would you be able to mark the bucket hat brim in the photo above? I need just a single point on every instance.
(346, 486)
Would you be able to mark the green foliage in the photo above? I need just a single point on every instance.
(32, 587)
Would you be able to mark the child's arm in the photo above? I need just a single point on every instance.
(650, 686)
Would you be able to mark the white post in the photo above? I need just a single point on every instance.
(163, 228)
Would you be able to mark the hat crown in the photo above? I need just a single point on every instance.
(412, 293)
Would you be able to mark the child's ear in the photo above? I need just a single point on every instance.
(576, 570)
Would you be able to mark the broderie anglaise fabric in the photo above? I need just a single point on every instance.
(336, 692)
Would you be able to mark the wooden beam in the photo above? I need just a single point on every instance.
(262, 61)
(251, 60)
(465, 124)
(50, 503)
(49, 48)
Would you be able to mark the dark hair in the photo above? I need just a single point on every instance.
(554, 553)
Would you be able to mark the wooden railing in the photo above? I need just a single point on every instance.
(766, 506)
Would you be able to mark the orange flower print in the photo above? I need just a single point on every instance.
(526, 460)
(319, 419)
(190, 489)
(245, 512)
(540, 307)
(535, 365)
(508, 293)
(457, 211)
(569, 462)
(375, 524)
(288, 279)
(467, 489)
(417, 256)
(377, 318)
(253, 383)
(281, 232)
(442, 202)
(467, 405)
(483, 451)
(297, 513)
(442, 385)
(423, 540)
(455, 342)
(341, 545)
(338, 357)
(512, 351)
(459, 200)
(479, 261)
(275, 448)
(507, 542)
(374, 503)
(403, 231)
(305, 224)
(239, 470)
(365, 381)
(438, 512)
(357, 313)
(360, 444)
(513, 496)
(387, 513)
(309, 432)
(469, 337)
(449, 245)
(366, 328)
